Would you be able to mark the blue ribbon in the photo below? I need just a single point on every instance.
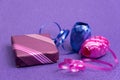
(48, 24)
(79, 33)
(60, 38)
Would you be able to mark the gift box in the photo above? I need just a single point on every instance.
(34, 49)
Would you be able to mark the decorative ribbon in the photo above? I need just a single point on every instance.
(94, 47)
(60, 38)
(79, 33)
(78, 65)
(43, 26)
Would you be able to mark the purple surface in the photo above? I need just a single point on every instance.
(26, 16)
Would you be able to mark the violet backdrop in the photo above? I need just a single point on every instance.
(26, 17)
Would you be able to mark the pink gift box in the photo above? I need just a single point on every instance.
(34, 49)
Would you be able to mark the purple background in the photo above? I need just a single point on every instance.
(26, 16)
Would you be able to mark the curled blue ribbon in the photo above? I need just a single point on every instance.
(60, 38)
(40, 31)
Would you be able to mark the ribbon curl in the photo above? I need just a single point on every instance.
(72, 65)
(61, 36)
(92, 48)
(80, 65)
(96, 47)
(59, 40)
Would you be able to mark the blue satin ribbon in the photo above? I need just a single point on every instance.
(60, 38)
(79, 33)
(43, 26)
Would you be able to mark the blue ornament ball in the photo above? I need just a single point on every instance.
(79, 33)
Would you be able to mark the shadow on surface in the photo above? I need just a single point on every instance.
(10, 56)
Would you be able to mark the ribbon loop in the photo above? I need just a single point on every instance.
(44, 25)
(61, 36)
(72, 65)
(78, 65)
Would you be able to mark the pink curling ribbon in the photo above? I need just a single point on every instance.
(96, 47)
(80, 65)
(92, 48)
(72, 65)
